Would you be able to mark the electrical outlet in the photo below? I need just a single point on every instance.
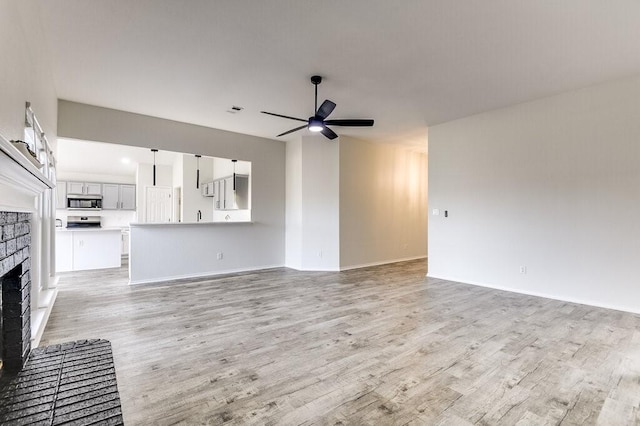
(320, 254)
(523, 269)
(220, 256)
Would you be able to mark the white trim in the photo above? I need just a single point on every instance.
(384, 262)
(18, 173)
(41, 317)
(314, 269)
(211, 274)
(537, 294)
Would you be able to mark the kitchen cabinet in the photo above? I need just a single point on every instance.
(64, 251)
(127, 197)
(118, 197)
(110, 196)
(88, 249)
(216, 192)
(61, 195)
(84, 188)
(230, 196)
(208, 189)
(125, 243)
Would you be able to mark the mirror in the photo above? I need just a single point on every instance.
(188, 188)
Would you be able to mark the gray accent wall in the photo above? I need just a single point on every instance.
(267, 156)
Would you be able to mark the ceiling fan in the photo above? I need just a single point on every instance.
(318, 122)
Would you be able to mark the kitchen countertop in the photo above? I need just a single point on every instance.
(177, 224)
(101, 229)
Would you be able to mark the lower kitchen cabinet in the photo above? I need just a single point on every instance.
(64, 251)
(88, 249)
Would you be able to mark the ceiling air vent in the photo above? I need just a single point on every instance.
(235, 109)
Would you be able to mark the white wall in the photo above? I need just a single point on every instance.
(70, 176)
(383, 203)
(352, 203)
(108, 218)
(24, 76)
(265, 238)
(312, 204)
(294, 205)
(320, 203)
(552, 185)
(26, 72)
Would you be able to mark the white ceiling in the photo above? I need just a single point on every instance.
(107, 159)
(406, 64)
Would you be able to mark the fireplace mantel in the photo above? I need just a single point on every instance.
(21, 187)
(17, 171)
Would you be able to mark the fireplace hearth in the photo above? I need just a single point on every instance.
(15, 281)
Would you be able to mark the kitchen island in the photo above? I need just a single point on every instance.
(79, 249)
(163, 252)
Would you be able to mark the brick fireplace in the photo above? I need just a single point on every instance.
(15, 279)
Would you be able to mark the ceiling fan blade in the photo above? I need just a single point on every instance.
(325, 109)
(328, 133)
(292, 130)
(284, 116)
(350, 122)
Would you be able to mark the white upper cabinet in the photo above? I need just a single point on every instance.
(93, 188)
(118, 197)
(75, 188)
(127, 197)
(110, 196)
(207, 189)
(232, 195)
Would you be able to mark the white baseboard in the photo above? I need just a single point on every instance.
(212, 274)
(538, 294)
(315, 269)
(384, 262)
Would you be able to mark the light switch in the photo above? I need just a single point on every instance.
(436, 212)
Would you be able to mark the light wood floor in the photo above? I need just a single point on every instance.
(379, 346)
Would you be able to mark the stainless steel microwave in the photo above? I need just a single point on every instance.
(84, 202)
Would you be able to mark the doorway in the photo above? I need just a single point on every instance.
(158, 205)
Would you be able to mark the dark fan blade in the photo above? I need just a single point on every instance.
(329, 133)
(284, 116)
(325, 109)
(292, 130)
(350, 122)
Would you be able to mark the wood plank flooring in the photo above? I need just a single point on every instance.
(374, 346)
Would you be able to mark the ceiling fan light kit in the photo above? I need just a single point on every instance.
(317, 122)
(315, 125)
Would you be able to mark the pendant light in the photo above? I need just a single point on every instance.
(154, 165)
(234, 173)
(198, 170)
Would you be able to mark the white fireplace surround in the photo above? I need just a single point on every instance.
(22, 188)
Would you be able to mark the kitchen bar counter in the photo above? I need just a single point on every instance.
(162, 224)
(170, 251)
